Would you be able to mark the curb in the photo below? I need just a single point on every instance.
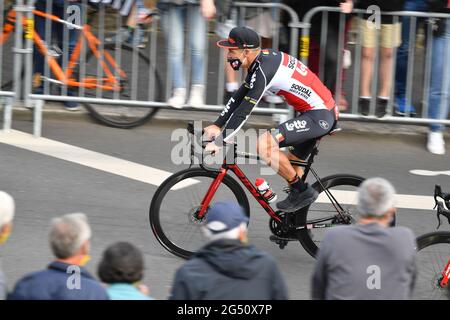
(178, 117)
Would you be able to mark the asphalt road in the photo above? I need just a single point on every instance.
(117, 207)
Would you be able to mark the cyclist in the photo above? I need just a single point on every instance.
(283, 75)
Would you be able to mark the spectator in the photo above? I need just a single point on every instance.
(65, 278)
(390, 38)
(227, 267)
(439, 99)
(367, 260)
(175, 15)
(133, 31)
(122, 267)
(58, 8)
(402, 59)
(7, 209)
(331, 54)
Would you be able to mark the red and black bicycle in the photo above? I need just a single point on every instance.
(180, 204)
(433, 256)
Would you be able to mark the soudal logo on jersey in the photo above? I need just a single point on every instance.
(301, 91)
(296, 125)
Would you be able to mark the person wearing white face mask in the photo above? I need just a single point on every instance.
(7, 209)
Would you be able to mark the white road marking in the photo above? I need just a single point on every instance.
(90, 158)
(402, 200)
(429, 173)
(155, 176)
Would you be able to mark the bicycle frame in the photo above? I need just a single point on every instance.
(110, 82)
(249, 185)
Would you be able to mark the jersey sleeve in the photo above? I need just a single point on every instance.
(257, 85)
(231, 105)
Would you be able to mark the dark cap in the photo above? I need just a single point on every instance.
(240, 38)
(224, 216)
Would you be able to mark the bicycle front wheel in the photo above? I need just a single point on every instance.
(175, 204)
(140, 83)
(432, 259)
(324, 212)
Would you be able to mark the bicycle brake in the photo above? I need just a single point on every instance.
(442, 211)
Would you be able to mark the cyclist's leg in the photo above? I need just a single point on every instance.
(298, 132)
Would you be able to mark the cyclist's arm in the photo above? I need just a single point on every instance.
(257, 87)
(231, 105)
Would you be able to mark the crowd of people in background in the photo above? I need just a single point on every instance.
(383, 43)
(228, 267)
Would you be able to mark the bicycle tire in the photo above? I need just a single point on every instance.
(108, 115)
(339, 180)
(428, 246)
(155, 211)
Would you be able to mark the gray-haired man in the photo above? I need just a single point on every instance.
(65, 278)
(227, 268)
(367, 260)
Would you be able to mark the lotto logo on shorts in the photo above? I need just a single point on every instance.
(296, 125)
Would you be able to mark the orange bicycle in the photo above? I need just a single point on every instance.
(108, 71)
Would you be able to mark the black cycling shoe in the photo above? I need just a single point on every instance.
(297, 200)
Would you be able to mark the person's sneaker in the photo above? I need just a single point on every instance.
(71, 105)
(137, 38)
(196, 99)
(381, 107)
(402, 110)
(272, 98)
(178, 99)
(123, 35)
(227, 95)
(436, 143)
(364, 106)
(297, 200)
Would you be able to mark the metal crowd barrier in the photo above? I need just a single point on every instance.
(149, 86)
(352, 81)
(7, 91)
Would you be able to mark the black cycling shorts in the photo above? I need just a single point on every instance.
(301, 133)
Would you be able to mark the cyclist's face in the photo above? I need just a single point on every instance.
(235, 53)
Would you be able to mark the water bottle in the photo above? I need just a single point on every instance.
(265, 190)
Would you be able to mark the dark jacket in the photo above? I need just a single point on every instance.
(57, 282)
(228, 269)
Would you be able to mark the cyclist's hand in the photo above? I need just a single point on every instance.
(211, 132)
(212, 148)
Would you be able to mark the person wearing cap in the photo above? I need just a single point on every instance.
(367, 260)
(276, 73)
(7, 208)
(227, 267)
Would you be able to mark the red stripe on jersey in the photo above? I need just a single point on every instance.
(285, 59)
(298, 103)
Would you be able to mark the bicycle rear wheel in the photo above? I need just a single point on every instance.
(322, 214)
(175, 203)
(142, 83)
(432, 257)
